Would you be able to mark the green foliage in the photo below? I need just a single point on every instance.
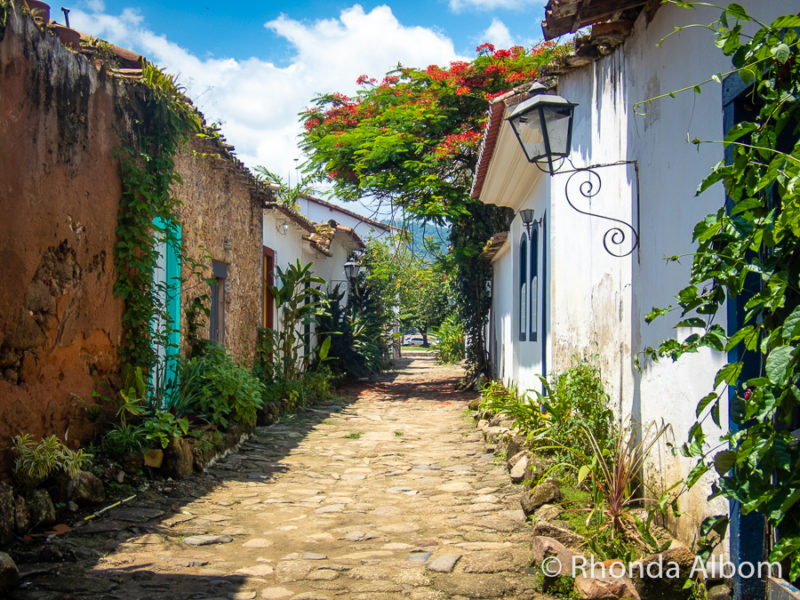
(748, 250)
(507, 401)
(422, 292)
(35, 463)
(161, 427)
(574, 399)
(359, 330)
(450, 348)
(5, 15)
(301, 304)
(214, 387)
(120, 441)
(287, 193)
(414, 139)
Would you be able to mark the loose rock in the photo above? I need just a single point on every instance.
(85, 488)
(9, 574)
(545, 493)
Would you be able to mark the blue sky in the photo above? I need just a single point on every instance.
(253, 67)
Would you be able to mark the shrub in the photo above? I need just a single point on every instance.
(37, 462)
(576, 398)
(451, 347)
(552, 421)
(214, 387)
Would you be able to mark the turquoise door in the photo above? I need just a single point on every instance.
(166, 323)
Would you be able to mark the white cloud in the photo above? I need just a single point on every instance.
(486, 5)
(497, 34)
(256, 101)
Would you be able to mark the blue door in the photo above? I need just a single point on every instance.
(165, 326)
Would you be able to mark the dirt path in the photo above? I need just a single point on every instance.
(388, 496)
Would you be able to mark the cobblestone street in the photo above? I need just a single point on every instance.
(390, 495)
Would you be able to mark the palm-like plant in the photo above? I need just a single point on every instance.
(617, 473)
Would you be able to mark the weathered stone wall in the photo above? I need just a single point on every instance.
(221, 217)
(59, 189)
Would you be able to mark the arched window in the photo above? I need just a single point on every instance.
(533, 271)
(523, 288)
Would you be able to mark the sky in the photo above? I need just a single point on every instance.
(252, 68)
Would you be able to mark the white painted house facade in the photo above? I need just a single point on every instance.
(582, 284)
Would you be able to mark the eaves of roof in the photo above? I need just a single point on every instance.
(497, 109)
(368, 220)
(568, 16)
(494, 245)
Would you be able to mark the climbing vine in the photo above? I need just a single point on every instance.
(747, 262)
(162, 121)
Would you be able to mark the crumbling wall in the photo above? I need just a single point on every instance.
(59, 190)
(221, 220)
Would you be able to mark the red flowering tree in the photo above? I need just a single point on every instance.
(413, 138)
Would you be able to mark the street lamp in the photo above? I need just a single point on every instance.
(543, 126)
(351, 270)
(526, 214)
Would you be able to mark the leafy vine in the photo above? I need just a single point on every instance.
(747, 262)
(162, 122)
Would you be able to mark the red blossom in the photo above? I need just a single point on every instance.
(502, 54)
(462, 91)
(486, 48)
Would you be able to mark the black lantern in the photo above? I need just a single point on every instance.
(351, 269)
(526, 214)
(543, 125)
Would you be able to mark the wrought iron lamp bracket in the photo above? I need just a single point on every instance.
(615, 239)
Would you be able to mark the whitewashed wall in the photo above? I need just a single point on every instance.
(669, 169)
(322, 213)
(597, 302)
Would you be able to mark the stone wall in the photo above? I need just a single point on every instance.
(221, 217)
(59, 321)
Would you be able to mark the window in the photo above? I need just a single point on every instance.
(216, 323)
(523, 288)
(533, 321)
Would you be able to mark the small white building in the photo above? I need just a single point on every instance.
(591, 264)
(322, 211)
(289, 237)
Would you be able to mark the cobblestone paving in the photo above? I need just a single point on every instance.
(390, 495)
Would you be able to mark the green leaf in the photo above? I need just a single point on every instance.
(737, 10)
(583, 473)
(703, 404)
(791, 326)
(729, 374)
(781, 52)
(724, 461)
(777, 365)
(786, 22)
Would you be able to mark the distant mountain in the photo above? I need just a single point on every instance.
(424, 236)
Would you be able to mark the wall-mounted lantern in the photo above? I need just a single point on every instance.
(543, 126)
(352, 269)
(526, 214)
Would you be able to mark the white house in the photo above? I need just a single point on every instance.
(289, 237)
(590, 265)
(322, 211)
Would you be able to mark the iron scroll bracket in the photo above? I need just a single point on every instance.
(620, 233)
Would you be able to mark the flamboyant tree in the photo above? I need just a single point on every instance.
(413, 139)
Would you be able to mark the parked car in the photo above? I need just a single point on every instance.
(416, 339)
